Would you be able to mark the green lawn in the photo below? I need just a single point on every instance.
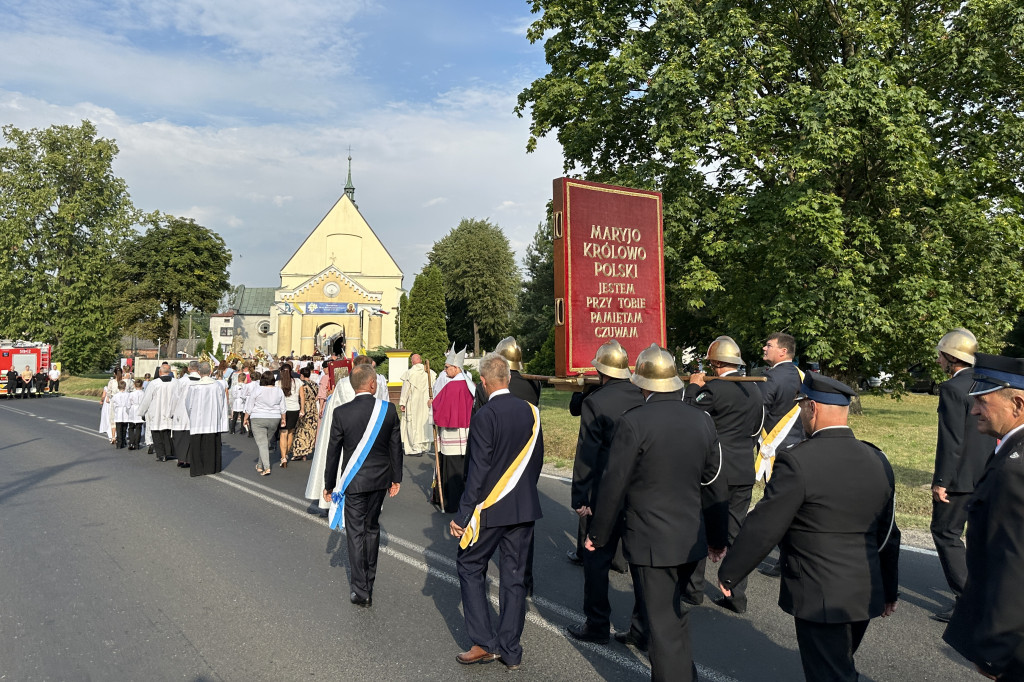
(83, 387)
(904, 429)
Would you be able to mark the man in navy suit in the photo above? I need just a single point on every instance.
(380, 473)
(498, 511)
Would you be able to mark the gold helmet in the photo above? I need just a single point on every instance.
(959, 344)
(724, 349)
(612, 360)
(510, 350)
(656, 371)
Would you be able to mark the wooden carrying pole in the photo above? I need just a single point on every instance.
(437, 442)
(578, 382)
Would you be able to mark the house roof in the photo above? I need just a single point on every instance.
(254, 300)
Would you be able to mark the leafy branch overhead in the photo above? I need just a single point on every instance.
(849, 172)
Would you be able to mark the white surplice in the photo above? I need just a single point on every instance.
(342, 394)
(206, 407)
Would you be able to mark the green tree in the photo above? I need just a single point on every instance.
(849, 172)
(64, 219)
(424, 318)
(543, 361)
(481, 281)
(178, 266)
(537, 294)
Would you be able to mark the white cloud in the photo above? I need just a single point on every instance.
(435, 202)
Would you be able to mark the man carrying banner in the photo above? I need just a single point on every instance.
(782, 415)
(498, 510)
(453, 408)
(366, 439)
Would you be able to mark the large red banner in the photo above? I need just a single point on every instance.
(609, 271)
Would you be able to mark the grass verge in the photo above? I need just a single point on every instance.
(83, 387)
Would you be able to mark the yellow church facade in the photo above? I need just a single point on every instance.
(341, 288)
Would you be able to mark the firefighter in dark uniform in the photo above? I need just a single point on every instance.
(987, 626)
(524, 389)
(599, 414)
(829, 506)
(960, 456)
(738, 415)
(663, 454)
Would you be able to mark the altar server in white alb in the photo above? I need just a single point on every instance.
(342, 394)
(207, 408)
(157, 408)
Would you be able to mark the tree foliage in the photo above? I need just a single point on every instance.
(536, 315)
(64, 220)
(481, 282)
(423, 326)
(851, 172)
(177, 266)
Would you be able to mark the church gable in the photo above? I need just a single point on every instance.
(330, 285)
(344, 240)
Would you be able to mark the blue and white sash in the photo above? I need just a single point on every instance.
(336, 516)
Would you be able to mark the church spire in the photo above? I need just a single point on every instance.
(350, 189)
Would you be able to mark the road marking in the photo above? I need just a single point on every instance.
(631, 664)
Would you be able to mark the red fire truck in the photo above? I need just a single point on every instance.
(17, 355)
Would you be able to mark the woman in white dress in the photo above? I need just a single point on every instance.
(107, 425)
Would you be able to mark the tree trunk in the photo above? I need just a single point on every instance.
(172, 339)
(476, 339)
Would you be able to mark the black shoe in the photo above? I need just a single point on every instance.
(360, 601)
(150, 450)
(943, 616)
(772, 571)
(729, 605)
(631, 638)
(161, 459)
(573, 557)
(584, 634)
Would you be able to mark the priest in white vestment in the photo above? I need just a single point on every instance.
(417, 429)
(315, 487)
(157, 408)
(207, 408)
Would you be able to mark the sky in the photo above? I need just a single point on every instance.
(240, 113)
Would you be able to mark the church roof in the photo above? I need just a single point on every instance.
(254, 300)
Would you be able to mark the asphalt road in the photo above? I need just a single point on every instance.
(116, 567)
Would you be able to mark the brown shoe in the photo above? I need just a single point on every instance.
(476, 654)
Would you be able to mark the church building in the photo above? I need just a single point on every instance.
(339, 292)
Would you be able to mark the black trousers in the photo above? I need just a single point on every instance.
(134, 435)
(121, 434)
(948, 522)
(54, 386)
(662, 589)
(596, 606)
(514, 543)
(235, 416)
(162, 446)
(618, 563)
(362, 536)
(182, 440)
(827, 649)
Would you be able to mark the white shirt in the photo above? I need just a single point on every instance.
(265, 402)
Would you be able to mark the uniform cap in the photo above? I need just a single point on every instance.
(993, 372)
(510, 350)
(825, 390)
(612, 359)
(656, 371)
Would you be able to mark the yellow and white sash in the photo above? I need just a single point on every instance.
(769, 442)
(505, 484)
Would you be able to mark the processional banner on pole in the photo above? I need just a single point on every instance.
(609, 271)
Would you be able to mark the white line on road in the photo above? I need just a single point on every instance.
(632, 664)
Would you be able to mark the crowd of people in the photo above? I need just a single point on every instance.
(662, 481)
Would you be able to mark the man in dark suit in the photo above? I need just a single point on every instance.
(498, 511)
(960, 456)
(987, 626)
(781, 428)
(599, 415)
(738, 415)
(364, 485)
(829, 507)
(663, 454)
(524, 389)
